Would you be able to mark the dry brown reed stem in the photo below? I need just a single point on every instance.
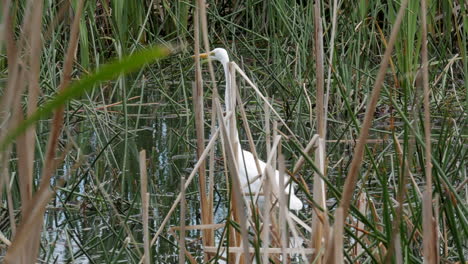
(204, 25)
(330, 59)
(11, 211)
(430, 235)
(282, 208)
(57, 120)
(232, 145)
(351, 178)
(236, 190)
(319, 218)
(13, 72)
(27, 140)
(319, 69)
(208, 148)
(199, 128)
(145, 204)
(12, 94)
(266, 214)
(199, 125)
(437, 232)
(182, 222)
(334, 245)
(201, 7)
(317, 235)
(22, 250)
(19, 72)
(146, 235)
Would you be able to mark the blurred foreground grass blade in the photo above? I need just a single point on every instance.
(104, 73)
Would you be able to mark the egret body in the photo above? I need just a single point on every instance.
(245, 160)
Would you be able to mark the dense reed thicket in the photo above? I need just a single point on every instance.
(104, 119)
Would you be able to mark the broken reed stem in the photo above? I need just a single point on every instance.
(182, 222)
(429, 234)
(352, 176)
(145, 204)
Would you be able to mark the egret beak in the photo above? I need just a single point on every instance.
(203, 55)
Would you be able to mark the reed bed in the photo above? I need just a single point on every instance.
(115, 150)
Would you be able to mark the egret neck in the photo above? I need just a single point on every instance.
(230, 107)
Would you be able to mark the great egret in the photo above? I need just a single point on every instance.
(246, 161)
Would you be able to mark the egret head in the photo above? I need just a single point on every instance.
(218, 54)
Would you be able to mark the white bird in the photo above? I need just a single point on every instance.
(246, 161)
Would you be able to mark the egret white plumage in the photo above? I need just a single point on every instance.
(245, 160)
